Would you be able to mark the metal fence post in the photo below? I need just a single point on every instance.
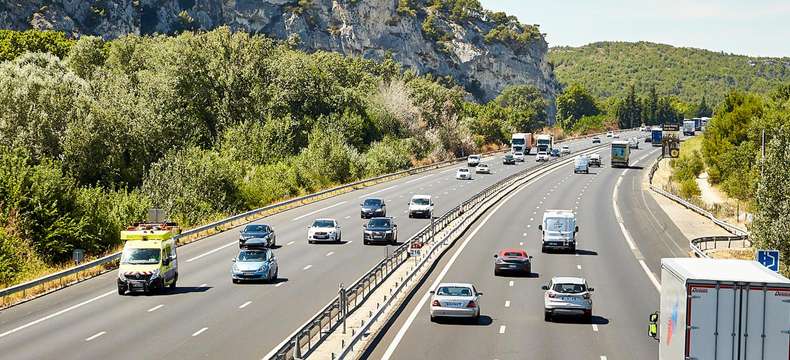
(343, 305)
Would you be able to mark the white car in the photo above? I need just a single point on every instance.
(595, 159)
(324, 230)
(565, 149)
(609, 134)
(519, 156)
(542, 156)
(421, 206)
(473, 160)
(633, 143)
(463, 174)
(482, 169)
(456, 300)
(616, 135)
(567, 296)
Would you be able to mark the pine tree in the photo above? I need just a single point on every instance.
(772, 218)
(629, 112)
(703, 110)
(650, 107)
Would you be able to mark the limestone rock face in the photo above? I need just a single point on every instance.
(372, 29)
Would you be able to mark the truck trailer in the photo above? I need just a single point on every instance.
(721, 309)
(656, 135)
(689, 127)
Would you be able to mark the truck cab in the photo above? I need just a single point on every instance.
(148, 260)
(558, 230)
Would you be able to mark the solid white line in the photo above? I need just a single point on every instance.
(242, 306)
(378, 191)
(595, 327)
(418, 179)
(95, 336)
(502, 329)
(212, 251)
(200, 331)
(650, 275)
(290, 243)
(507, 303)
(319, 210)
(155, 308)
(307, 267)
(61, 312)
(510, 283)
(330, 253)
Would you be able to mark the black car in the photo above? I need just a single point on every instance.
(380, 230)
(509, 159)
(373, 207)
(555, 153)
(258, 231)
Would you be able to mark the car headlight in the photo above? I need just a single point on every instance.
(121, 276)
(263, 268)
(155, 274)
(235, 268)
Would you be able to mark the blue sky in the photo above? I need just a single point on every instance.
(748, 27)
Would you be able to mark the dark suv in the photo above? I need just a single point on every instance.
(258, 231)
(380, 230)
(373, 207)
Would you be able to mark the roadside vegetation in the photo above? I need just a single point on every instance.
(93, 132)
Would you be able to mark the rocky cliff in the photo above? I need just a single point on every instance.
(482, 51)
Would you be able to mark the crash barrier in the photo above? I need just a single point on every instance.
(58, 280)
(308, 337)
(700, 245)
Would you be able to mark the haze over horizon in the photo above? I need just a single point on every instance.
(755, 28)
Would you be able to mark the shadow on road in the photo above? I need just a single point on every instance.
(586, 252)
(334, 243)
(483, 320)
(569, 319)
(264, 282)
(185, 290)
(517, 274)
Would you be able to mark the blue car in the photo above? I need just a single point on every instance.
(254, 264)
(555, 153)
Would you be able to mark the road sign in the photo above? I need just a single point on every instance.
(670, 127)
(769, 259)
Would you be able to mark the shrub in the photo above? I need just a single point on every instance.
(265, 184)
(326, 161)
(388, 155)
(689, 188)
(688, 167)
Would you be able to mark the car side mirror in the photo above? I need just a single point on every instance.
(360, 204)
(496, 256)
(364, 226)
(432, 292)
(530, 256)
(479, 294)
(577, 229)
(590, 289)
(545, 287)
(233, 260)
(540, 227)
(166, 261)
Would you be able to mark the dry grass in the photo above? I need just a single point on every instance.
(742, 254)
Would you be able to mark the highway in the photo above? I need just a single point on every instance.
(209, 317)
(617, 261)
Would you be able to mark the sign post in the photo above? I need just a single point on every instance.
(769, 259)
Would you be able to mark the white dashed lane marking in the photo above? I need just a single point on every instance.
(502, 329)
(507, 303)
(307, 267)
(155, 308)
(95, 336)
(511, 283)
(199, 331)
(242, 306)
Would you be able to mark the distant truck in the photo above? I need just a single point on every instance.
(545, 143)
(689, 127)
(521, 142)
(703, 123)
(656, 134)
(721, 309)
(621, 153)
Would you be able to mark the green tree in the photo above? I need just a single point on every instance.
(15, 43)
(650, 107)
(629, 112)
(574, 103)
(772, 216)
(703, 110)
(527, 105)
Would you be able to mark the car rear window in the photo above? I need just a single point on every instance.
(569, 288)
(379, 222)
(323, 223)
(513, 253)
(252, 256)
(454, 291)
(463, 170)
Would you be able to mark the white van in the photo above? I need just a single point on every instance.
(559, 230)
(421, 206)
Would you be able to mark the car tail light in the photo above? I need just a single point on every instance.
(471, 304)
(436, 303)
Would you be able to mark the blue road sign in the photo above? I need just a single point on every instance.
(769, 259)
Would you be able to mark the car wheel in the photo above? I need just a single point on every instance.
(573, 248)
(173, 284)
(235, 281)
(365, 242)
(496, 272)
(547, 315)
(588, 317)
(543, 249)
(310, 242)
(433, 318)
(121, 290)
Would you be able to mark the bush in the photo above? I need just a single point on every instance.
(260, 143)
(388, 155)
(266, 184)
(327, 161)
(16, 43)
(194, 185)
(689, 188)
(688, 167)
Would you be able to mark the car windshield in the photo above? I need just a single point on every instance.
(454, 291)
(519, 153)
(463, 170)
(420, 201)
(558, 224)
(252, 256)
(474, 157)
(569, 288)
(482, 166)
(255, 228)
(372, 202)
(323, 223)
(512, 253)
(140, 256)
(379, 223)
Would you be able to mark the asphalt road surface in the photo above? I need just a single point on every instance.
(617, 261)
(209, 317)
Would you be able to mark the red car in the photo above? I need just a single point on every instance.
(512, 260)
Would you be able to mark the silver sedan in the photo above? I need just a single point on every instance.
(456, 300)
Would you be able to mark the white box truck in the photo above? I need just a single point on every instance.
(722, 309)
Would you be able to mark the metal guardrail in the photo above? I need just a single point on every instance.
(302, 200)
(700, 245)
(301, 342)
